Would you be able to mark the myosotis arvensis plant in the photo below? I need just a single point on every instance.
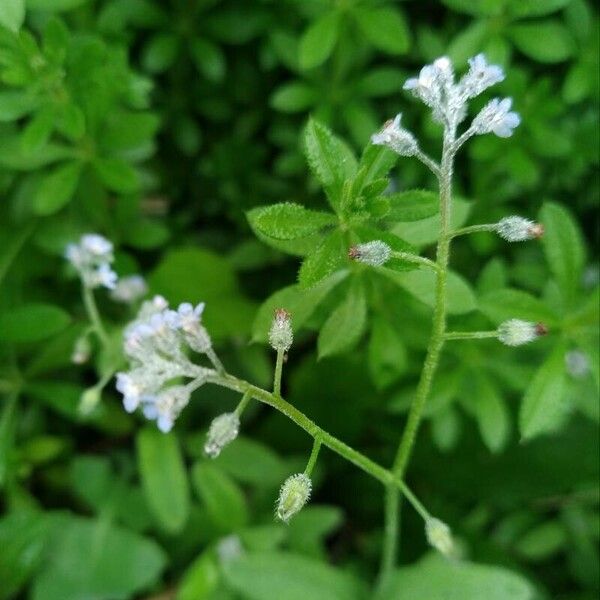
(160, 343)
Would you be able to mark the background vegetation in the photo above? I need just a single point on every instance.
(160, 124)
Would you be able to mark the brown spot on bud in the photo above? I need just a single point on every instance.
(353, 253)
(537, 230)
(541, 329)
(282, 315)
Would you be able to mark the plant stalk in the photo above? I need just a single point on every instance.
(436, 342)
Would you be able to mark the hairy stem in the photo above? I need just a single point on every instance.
(470, 335)
(436, 341)
(474, 229)
(414, 258)
(93, 314)
(314, 454)
(385, 476)
(278, 370)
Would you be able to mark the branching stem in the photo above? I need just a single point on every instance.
(474, 229)
(278, 370)
(470, 335)
(414, 258)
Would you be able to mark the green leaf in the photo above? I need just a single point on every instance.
(294, 97)
(23, 538)
(308, 529)
(484, 402)
(209, 58)
(476, 7)
(38, 130)
(326, 259)
(422, 283)
(288, 221)
(542, 541)
(413, 205)
(93, 559)
(436, 578)
(32, 323)
(213, 281)
(14, 105)
(300, 303)
(275, 576)
(544, 405)
(469, 41)
(545, 41)
(200, 579)
(117, 175)
(163, 477)
(318, 40)
(252, 462)
(160, 52)
(329, 159)
(387, 354)
(375, 163)
(223, 499)
(426, 231)
(54, 5)
(385, 28)
(501, 305)
(563, 246)
(346, 324)
(12, 14)
(535, 8)
(57, 188)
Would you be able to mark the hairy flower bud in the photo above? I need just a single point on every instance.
(223, 430)
(439, 536)
(496, 117)
(519, 229)
(281, 335)
(396, 138)
(516, 332)
(294, 494)
(375, 253)
(129, 289)
(81, 350)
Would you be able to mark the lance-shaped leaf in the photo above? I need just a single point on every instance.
(325, 260)
(288, 221)
(413, 205)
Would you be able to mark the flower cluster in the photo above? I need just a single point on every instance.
(156, 345)
(436, 87)
(92, 257)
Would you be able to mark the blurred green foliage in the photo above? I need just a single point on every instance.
(161, 124)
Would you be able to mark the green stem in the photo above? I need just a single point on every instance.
(239, 409)
(385, 476)
(94, 315)
(278, 370)
(314, 454)
(215, 360)
(470, 335)
(414, 258)
(436, 342)
(474, 229)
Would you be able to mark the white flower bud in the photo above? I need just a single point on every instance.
(519, 229)
(577, 363)
(294, 494)
(439, 536)
(281, 335)
(496, 117)
(223, 430)
(81, 350)
(229, 549)
(375, 253)
(89, 400)
(516, 332)
(129, 289)
(480, 76)
(396, 138)
(92, 257)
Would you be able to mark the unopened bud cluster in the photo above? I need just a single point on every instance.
(439, 536)
(448, 99)
(375, 253)
(156, 345)
(92, 257)
(294, 494)
(81, 350)
(281, 335)
(222, 431)
(516, 332)
(519, 229)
